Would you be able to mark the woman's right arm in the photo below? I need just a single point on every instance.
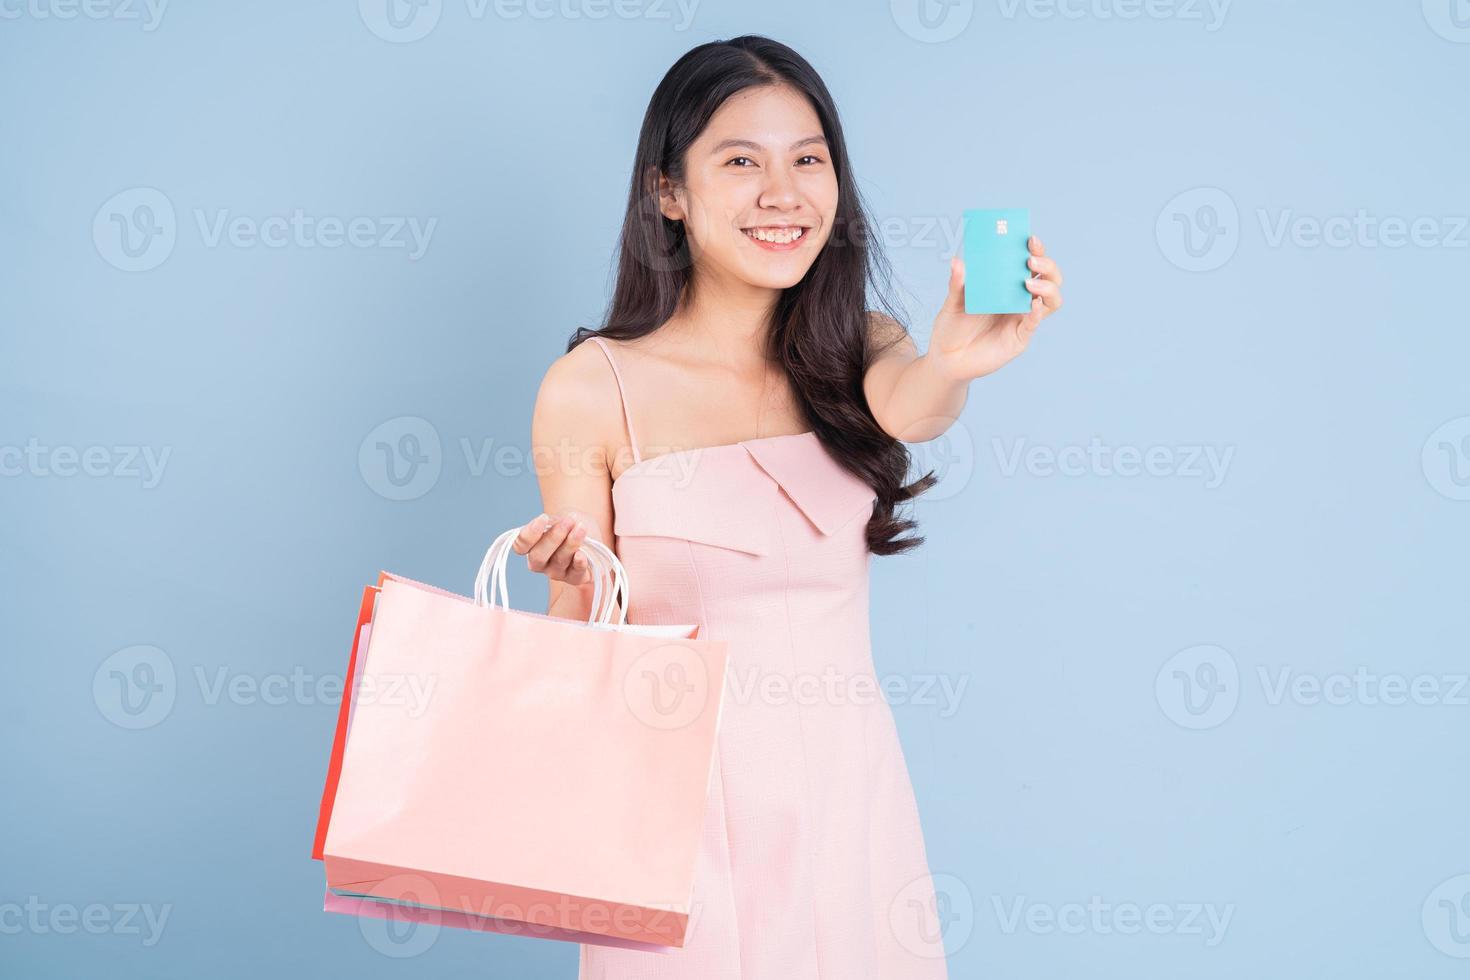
(570, 435)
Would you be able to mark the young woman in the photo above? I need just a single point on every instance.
(737, 428)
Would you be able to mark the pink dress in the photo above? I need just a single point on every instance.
(812, 863)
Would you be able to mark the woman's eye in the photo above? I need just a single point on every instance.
(736, 161)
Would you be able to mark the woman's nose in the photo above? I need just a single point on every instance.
(779, 190)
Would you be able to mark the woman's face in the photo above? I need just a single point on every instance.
(760, 193)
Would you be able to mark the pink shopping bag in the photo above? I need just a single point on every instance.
(515, 772)
(418, 915)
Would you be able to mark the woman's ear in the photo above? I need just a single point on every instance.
(668, 200)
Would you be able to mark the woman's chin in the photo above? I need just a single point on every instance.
(777, 275)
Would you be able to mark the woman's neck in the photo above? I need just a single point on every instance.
(728, 321)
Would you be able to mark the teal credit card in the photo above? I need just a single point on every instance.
(995, 261)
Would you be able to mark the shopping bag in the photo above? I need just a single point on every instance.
(344, 710)
(408, 918)
(520, 772)
(401, 911)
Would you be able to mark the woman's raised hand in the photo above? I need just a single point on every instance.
(972, 345)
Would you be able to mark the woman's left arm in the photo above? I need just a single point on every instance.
(916, 397)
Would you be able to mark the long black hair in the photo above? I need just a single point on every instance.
(820, 334)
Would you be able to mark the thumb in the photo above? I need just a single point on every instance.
(955, 301)
(1027, 324)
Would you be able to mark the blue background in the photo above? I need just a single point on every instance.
(1079, 761)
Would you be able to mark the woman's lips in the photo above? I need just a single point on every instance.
(796, 234)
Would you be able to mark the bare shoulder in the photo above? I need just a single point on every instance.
(571, 377)
(577, 400)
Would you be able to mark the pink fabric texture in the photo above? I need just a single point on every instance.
(812, 863)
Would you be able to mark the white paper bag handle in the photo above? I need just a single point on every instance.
(490, 580)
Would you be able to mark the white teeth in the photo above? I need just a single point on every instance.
(782, 236)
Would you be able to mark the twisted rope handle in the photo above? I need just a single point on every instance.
(601, 562)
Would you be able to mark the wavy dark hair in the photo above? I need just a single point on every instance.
(820, 332)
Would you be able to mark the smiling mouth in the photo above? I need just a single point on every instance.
(776, 236)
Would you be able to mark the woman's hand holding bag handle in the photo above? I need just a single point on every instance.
(610, 593)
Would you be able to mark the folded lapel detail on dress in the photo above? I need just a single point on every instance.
(709, 502)
(820, 487)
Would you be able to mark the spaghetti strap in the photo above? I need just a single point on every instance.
(622, 397)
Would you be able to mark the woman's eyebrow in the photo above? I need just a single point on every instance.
(752, 145)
